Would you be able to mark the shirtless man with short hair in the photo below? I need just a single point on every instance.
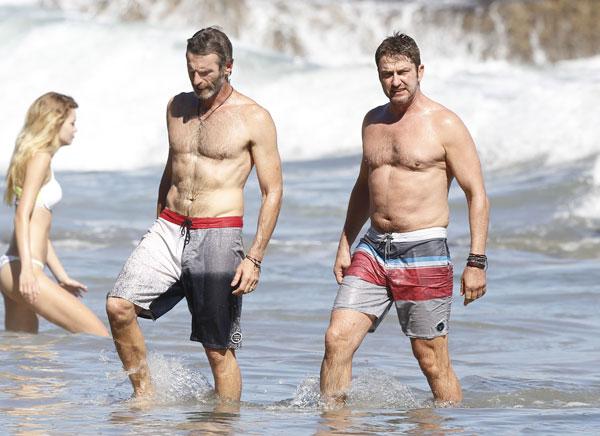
(194, 249)
(412, 149)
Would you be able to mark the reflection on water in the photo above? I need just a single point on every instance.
(345, 420)
(337, 421)
(143, 417)
(417, 422)
(220, 420)
(427, 422)
(33, 382)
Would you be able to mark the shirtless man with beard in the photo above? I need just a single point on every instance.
(412, 149)
(194, 249)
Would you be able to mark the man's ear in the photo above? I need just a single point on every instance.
(228, 68)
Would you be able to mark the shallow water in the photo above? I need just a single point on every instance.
(526, 354)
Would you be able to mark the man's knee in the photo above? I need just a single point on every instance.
(431, 359)
(221, 360)
(338, 342)
(120, 311)
(429, 366)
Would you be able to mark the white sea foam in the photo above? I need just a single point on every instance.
(585, 206)
(123, 74)
(596, 172)
(15, 3)
(588, 206)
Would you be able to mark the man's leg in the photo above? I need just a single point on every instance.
(226, 372)
(434, 360)
(130, 344)
(347, 329)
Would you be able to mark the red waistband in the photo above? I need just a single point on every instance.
(202, 223)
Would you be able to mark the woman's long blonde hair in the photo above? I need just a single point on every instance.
(43, 122)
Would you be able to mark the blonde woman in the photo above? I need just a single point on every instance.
(31, 186)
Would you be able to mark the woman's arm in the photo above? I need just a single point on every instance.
(54, 264)
(61, 276)
(35, 174)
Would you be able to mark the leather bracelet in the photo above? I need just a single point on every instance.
(256, 262)
(477, 265)
(477, 261)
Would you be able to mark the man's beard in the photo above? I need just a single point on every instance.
(207, 94)
(406, 97)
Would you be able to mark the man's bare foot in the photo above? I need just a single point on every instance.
(335, 401)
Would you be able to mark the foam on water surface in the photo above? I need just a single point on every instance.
(516, 113)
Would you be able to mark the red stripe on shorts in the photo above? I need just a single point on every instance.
(367, 268)
(419, 284)
(202, 223)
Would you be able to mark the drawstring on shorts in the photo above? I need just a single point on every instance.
(185, 230)
(388, 244)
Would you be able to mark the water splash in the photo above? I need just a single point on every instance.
(307, 395)
(175, 382)
(341, 32)
(367, 391)
(587, 207)
(381, 391)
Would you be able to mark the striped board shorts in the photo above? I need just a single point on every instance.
(412, 270)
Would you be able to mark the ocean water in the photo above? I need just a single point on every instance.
(527, 354)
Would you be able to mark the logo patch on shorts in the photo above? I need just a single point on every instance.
(236, 337)
(440, 326)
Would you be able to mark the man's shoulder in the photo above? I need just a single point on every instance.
(252, 111)
(182, 104)
(447, 120)
(375, 114)
(183, 98)
(439, 115)
(446, 123)
(377, 111)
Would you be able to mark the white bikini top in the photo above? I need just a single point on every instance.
(50, 193)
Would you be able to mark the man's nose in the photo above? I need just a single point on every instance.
(197, 80)
(396, 80)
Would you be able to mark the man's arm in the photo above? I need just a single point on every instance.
(356, 215)
(463, 161)
(264, 153)
(165, 180)
(165, 185)
(358, 212)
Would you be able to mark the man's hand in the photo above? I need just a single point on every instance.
(342, 262)
(472, 284)
(246, 277)
(28, 285)
(73, 286)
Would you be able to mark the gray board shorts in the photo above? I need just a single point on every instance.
(192, 258)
